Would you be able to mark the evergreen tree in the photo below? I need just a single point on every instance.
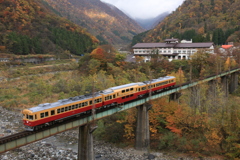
(215, 37)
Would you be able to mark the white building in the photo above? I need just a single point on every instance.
(171, 49)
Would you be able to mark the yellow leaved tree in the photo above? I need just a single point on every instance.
(180, 78)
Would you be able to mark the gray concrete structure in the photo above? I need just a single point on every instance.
(233, 82)
(224, 81)
(174, 96)
(142, 131)
(85, 144)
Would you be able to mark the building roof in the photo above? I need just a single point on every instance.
(171, 40)
(173, 45)
(227, 46)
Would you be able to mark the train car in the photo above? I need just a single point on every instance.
(50, 113)
(121, 94)
(161, 83)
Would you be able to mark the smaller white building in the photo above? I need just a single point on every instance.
(171, 49)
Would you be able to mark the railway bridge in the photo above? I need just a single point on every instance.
(229, 82)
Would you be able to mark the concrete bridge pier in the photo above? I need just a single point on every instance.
(212, 88)
(233, 82)
(85, 142)
(142, 131)
(224, 81)
(174, 96)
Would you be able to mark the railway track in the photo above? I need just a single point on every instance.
(13, 137)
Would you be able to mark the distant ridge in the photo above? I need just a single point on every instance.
(200, 20)
(151, 22)
(106, 22)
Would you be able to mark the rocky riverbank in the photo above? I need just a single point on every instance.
(64, 146)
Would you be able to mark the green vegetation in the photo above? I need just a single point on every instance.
(28, 27)
(200, 20)
(76, 43)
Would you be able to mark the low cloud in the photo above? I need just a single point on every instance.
(145, 9)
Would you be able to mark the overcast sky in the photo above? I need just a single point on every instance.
(145, 8)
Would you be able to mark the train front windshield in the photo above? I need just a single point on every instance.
(27, 115)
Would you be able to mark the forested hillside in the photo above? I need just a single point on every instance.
(200, 20)
(28, 27)
(105, 21)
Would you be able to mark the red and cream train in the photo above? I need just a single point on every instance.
(49, 113)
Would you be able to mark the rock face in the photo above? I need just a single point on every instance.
(64, 145)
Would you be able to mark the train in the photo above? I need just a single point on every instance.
(47, 114)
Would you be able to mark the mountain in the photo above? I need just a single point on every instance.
(106, 22)
(200, 20)
(30, 27)
(151, 22)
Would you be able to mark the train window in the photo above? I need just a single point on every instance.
(82, 105)
(69, 108)
(123, 91)
(66, 108)
(139, 89)
(100, 99)
(73, 106)
(127, 90)
(62, 109)
(27, 116)
(127, 96)
(46, 114)
(117, 94)
(30, 117)
(90, 102)
(35, 116)
(143, 88)
(106, 98)
(86, 103)
(52, 112)
(42, 115)
(59, 110)
(110, 97)
(131, 89)
(114, 96)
